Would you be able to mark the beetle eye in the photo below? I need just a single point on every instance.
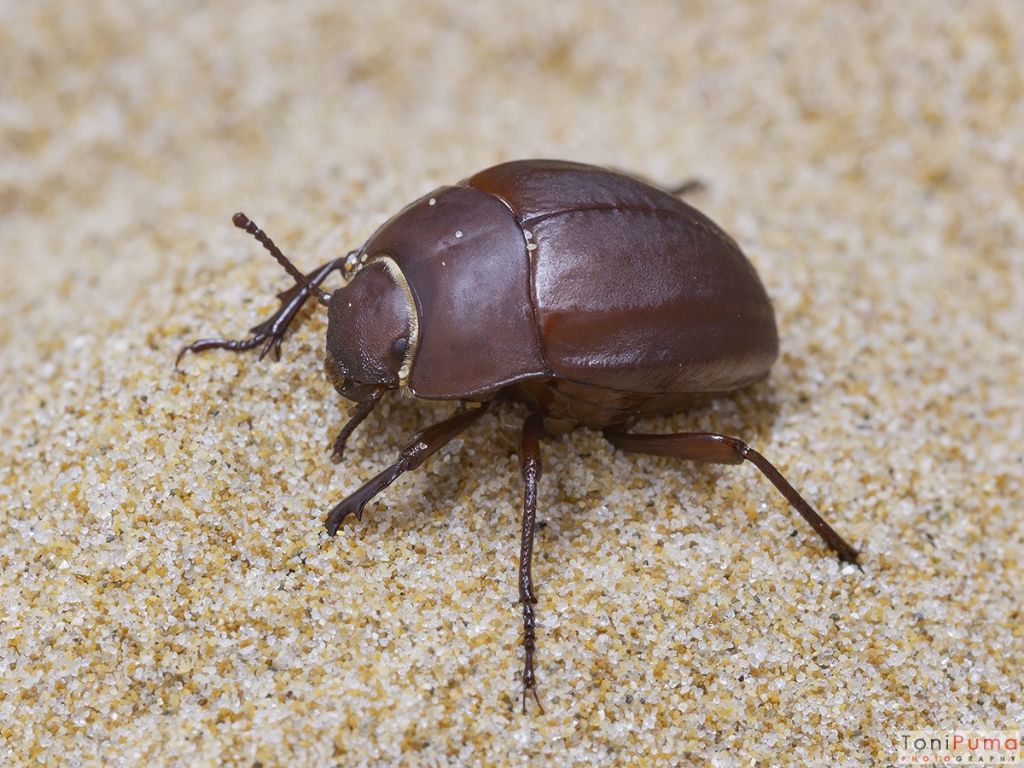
(400, 345)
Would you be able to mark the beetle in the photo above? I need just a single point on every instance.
(590, 296)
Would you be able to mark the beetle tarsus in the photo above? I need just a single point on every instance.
(232, 345)
(271, 331)
(531, 470)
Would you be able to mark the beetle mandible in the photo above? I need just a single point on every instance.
(588, 295)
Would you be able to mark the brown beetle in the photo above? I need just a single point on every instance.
(588, 295)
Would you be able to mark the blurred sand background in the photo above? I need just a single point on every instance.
(168, 595)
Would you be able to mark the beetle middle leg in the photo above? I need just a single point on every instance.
(270, 332)
(530, 466)
(718, 449)
(423, 445)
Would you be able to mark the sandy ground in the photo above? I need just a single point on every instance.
(169, 595)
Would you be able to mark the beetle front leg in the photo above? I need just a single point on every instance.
(530, 466)
(719, 449)
(424, 445)
(270, 332)
(357, 414)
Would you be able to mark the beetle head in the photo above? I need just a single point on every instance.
(371, 331)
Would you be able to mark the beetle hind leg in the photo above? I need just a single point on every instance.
(719, 449)
(269, 333)
(530, 467)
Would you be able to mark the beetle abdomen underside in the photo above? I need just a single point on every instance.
(635, 290)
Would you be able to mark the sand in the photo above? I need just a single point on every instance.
(169, 595)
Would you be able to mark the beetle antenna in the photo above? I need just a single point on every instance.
(242, 221)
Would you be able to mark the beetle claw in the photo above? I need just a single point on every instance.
(268, 346)
(847, 554)
(232, 345)
(177, 361)
(536, 698)
(346, 507)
